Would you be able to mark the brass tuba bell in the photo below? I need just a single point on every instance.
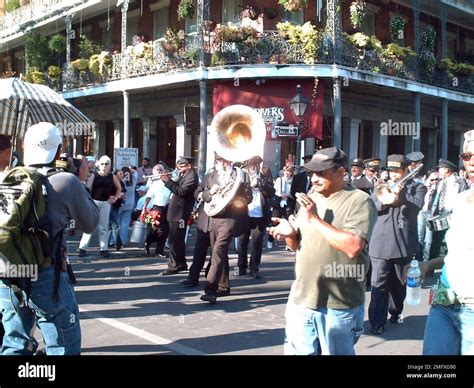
(237, 134)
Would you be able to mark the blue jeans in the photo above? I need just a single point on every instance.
(324, 331)
(449, 330)
(124, 217)
(57, 320)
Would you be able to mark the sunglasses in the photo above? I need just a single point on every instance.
(466, 156)
(321, 174)
(104, 164)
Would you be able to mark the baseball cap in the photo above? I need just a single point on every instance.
(143, 188)
(373, 163)
(325, 159)
(41, 143)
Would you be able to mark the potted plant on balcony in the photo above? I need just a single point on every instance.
(185, 9)
(11, 5)
(57, 43)
(428, 38)
(358, 11)
(293, 5)
(397, 27)
(174, 40)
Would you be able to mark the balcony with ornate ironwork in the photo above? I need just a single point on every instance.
(33, 12)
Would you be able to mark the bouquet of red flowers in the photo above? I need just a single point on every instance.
(151, 218)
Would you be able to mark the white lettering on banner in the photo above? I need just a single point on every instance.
(272, 114)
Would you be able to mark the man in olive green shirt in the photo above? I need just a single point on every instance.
(325, 310)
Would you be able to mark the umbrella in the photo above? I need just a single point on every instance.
(23, 104)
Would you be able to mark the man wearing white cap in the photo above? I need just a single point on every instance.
(50, 303)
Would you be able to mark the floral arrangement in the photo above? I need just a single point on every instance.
(174, 40)
(397, 27)
(306, 38)
(358, 13)
(185, 9)
(99, 64)
(151, 218)
(293, 5)
(428, 38)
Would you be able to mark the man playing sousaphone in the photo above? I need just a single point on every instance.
(394, 241)
(224, 226)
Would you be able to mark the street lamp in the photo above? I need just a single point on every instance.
(298, 105)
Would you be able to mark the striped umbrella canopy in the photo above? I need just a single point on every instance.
(23, 104)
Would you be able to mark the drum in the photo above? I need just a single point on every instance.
(438, 223)
(138, 233)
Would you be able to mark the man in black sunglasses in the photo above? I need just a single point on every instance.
(330, 234)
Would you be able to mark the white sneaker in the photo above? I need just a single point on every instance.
(269, 245)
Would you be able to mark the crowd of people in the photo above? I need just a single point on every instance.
(352, 231)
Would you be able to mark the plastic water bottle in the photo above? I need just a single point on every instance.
(413, 283)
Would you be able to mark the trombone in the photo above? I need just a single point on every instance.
(385, 191)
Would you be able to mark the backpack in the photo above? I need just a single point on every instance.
(24, 238)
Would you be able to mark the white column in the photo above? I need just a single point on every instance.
(99, 139)
(117, 133)
(126, 120)
(183, 140)
(354, 138)
(383, 144)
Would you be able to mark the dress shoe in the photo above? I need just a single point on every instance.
(161, 255)
(396, 319)
(377, 330)
(82, 253)
(118, 247)
(211, 298)
(105, 254)
(167, 272)
(189, 283)
(221, 293)
(255, 274)
(183, 268)
(241, 272)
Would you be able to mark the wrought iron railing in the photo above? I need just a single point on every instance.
(271, 47)
(32, 12)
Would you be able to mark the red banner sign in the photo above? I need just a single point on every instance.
(271, 99)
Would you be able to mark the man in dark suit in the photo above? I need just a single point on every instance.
(203, 241)
(179, 209)
(394, 242)
(301, 183)
(367, 181)
(226, 225)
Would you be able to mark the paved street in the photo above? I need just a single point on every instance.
(126, 308)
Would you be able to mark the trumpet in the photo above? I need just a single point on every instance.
(385, 191)
(153, 177)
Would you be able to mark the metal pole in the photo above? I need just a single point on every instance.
(337, 111)
(416, 18)
(202, 17)
(124, 26)
(68, 39)
(417, 142)
(444, 128)
(126, 119)
(298, 143)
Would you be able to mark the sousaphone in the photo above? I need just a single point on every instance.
(237, 134)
